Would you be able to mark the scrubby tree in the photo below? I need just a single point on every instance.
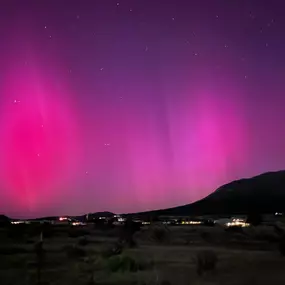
(254, 218)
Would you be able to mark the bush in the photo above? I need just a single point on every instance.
(126, 263)
(127, 232)
(83, 241)
(282, 246)
(47, 230)
(206, 260)
(77, 232)
(17, 231)
(206, 236)
(74, 251)
(254, 218)
(159, 234)
(13, 250)
(116, 249)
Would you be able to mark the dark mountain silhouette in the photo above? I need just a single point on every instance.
(4, 220)
(101, 214)
(264, 193)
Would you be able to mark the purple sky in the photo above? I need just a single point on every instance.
(134, 105)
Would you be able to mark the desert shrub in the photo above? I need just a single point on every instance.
(127, 232)
(266, 236)
(29, 240)
(10, 250)
(126, 263)
(159, 234)
(77, 232)
(16, 231)
(254, 218)
(278, 229)
(47, 230)
(206, 236)
(83, 241)
(282, 246)
(115, 249)
(206, 260)
(34, 229)
(74, 251)
(264, 233)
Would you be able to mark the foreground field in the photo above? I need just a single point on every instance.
(158, 256)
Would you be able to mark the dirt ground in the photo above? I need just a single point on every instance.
(160, 256)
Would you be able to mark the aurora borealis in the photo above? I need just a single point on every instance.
(131, 105)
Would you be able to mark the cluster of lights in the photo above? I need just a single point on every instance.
(63, 219)
(18, 222)
(191, 223)
(237, 223)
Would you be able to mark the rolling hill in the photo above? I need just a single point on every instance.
(264, 193)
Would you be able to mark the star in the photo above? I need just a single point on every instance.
(131, 10)
(118, 4)
(173, 19)
(45, 27)
(146, 48)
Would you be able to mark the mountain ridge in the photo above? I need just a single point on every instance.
(264, 193)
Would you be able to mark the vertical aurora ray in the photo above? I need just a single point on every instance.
(39, 146)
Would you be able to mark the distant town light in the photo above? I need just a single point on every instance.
(62, 218)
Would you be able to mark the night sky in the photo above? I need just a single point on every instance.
(132, 105)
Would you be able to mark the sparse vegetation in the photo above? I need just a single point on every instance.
(159, 234)
(161, 257)
(114, 249)
(282, 246)
(77, 232)
(83, 241)
(74, 251)
(206, 260)
(126, 263)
